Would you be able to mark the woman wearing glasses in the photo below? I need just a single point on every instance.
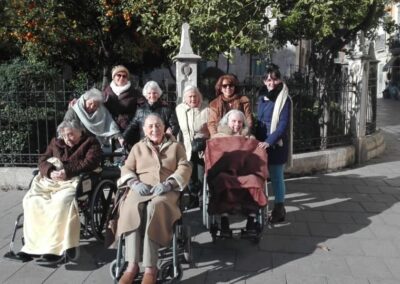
(120, 97)
(227, 98)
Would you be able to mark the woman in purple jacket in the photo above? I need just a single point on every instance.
(274, 130)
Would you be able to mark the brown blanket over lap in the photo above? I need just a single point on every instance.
(236, 172)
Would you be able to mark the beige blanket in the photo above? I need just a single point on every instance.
(51, 216)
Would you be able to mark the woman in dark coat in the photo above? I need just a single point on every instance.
(51, 217)
(120, 97)
(152, 92)
(274, 130)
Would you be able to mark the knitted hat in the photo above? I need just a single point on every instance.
(117, 69)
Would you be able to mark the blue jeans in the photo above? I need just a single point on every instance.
(278, 182)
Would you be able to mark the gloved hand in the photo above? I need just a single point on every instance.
(161, 188)
(141, 188)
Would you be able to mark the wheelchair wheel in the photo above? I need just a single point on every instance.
(100, 204)
(115, 275)
(167, 273)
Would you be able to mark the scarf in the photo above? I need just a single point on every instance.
(223, 104)
(279, 103)
(100, 123)
(119, 89)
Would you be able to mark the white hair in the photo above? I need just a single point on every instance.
(73, 124)
(151, 85)
(225, 119)
(190, 88)
(94, 94)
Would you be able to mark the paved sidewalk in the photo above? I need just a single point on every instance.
(342, 227)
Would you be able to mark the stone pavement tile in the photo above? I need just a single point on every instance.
(394, 266)
(338, 217)
(324, 230)
(223, 276)
(289, 228)
(289, 244)
(357, 231)
(389, 189)
(299, 278)
(331, 179)
(367, 189)
(349, 206)
(290, 262)
(343, 245)
(373, 181)
(351, 179)
(31, 273)
(343, 279)
(8, 268)
(307, 216)
(395, 208)
(360, 197)
(374, 207)
(394, 181)
(370, 267)
(388, 198)
(379, 248)
(254, 262)
(100, 275)
(266, 277)
(385, 232)
(328, 264)
(219, 258)
(383, 281)
(195, 275)
(334, 195)
(390, 219)
(364, 218)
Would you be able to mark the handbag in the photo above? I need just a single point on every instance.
(198, 144)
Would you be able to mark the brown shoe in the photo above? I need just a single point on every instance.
(128, 277)
(149, 278)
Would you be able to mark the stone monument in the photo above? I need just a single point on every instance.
(186, 64)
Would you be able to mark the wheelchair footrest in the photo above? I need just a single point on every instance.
(19, 257)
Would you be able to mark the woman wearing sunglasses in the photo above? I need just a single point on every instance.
(120, 97)
(227, 98)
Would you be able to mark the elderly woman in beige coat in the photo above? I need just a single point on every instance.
(156, 171)
(192, 117)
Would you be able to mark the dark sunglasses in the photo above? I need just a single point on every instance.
(121, 75)
(228, 85)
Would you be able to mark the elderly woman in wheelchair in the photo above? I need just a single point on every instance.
(51, 219)
(236, 175)
(155, 172)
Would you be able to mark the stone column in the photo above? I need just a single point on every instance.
(186, 64)
(359, 74)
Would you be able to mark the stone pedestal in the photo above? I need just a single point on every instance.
(186, 64)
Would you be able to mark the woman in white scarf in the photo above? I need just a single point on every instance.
(274, 130)
(93, 115)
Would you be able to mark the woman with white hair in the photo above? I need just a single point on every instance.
(94, 116)
(51, 218)
(192, 117)
(120, 97)
(233, 123)
(152, 92)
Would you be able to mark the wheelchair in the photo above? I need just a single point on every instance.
(95, 194)
(230, 157)
(170, 258)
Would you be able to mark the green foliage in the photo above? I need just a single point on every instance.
(19, 74)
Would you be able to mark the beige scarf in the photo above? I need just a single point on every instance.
(279, 103)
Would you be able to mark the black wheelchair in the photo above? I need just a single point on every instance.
(170, 258)
(95, 194)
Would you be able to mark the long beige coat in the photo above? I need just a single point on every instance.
(152, 166)
(193, 124)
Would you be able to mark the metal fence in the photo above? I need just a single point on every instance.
(28, 118)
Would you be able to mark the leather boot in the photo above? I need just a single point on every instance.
(278, 214)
